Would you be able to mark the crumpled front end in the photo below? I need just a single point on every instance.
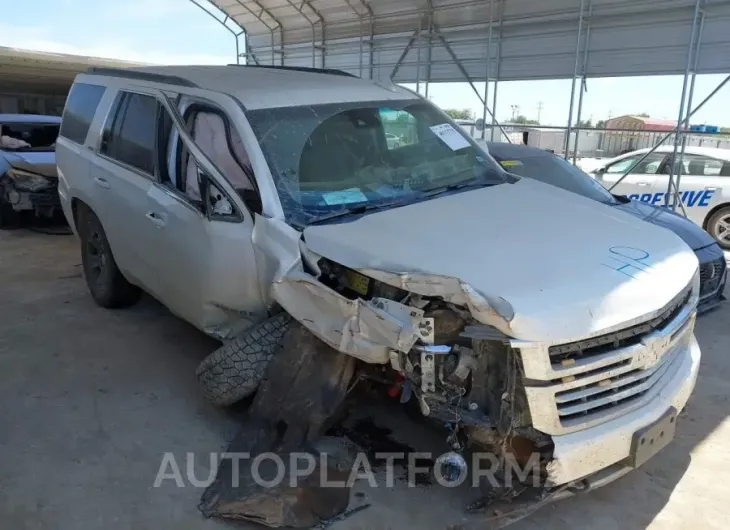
(454, 351)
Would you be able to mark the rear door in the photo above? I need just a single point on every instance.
(124, 172)
(640, 183)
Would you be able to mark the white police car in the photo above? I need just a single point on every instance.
(704, 186)
(544, 166)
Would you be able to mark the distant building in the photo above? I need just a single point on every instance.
(640, 123)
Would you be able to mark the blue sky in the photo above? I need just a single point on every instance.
(175, 31)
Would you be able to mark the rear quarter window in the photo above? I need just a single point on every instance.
(81, 105)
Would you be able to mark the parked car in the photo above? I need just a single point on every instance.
(703, 186)
(393, 140)
(28, 180)
(552, 169)
(249, 206)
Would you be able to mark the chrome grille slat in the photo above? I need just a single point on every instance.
(627, 378)
(646, 382)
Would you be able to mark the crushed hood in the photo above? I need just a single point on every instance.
(39, 162)
(530, 259)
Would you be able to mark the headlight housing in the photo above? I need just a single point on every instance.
(27, 181)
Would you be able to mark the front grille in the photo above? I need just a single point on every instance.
(570, 387)
(45, 199)
(711, 274)
(568, 354)
(606, 394)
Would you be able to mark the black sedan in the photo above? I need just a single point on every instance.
(542, 165)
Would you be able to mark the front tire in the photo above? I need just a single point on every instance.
(235, 370)
(719, 227)
(108, 287)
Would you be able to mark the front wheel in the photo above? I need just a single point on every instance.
(108, 287)
(719, 227)
(235, 370)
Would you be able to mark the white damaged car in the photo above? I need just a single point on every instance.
(252, 199)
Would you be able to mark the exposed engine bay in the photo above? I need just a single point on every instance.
(460, 373)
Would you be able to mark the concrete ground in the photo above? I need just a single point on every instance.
(91, 399)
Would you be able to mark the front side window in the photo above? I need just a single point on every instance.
(649, 166)
(130, 138)
(331, 158)
(28, 136)
(81, 105)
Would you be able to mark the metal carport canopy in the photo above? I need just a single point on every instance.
(444, 40)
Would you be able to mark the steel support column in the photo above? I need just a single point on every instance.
(583, 83)
(499, 63)
(488, 68)
(223, 23)
(466, 76)
(689, 105)
(681, 119)
(575, 76)
(408, 47)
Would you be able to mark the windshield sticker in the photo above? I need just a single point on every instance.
(450, 136)
(510, 163)
(344, 197)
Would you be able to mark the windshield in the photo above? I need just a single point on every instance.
(335, 158)
(555, 170)
(28, 136)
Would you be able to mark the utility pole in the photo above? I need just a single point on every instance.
(515, 110)
(539, 111)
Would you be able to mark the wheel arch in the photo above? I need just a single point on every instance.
(712, 212)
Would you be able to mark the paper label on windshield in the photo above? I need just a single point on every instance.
(450, 136)
(344, 197)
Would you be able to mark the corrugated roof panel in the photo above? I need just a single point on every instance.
(628, 37)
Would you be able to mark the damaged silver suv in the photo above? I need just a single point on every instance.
(253, 200)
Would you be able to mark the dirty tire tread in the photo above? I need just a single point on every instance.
(235, 370)
(115, 291)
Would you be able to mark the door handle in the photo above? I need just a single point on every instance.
(102, 183)
(156, 219)
(711, 188)
(642, 183)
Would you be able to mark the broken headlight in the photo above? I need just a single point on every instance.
(27, 181)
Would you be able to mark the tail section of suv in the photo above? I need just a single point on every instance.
(253, 200)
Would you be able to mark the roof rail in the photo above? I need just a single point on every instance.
(142, 76)
(308, 69)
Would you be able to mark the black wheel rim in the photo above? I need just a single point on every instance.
(95, 256)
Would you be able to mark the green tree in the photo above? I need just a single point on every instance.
(460, 114)
(585, 123)
(601, 124)
(643, 115)
(522, 120)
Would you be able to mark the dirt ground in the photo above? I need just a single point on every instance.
(91, 399)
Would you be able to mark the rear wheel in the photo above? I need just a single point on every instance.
(719, 227)
(107, 285)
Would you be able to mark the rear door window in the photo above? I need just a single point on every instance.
(130, 137)
(81, 105)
